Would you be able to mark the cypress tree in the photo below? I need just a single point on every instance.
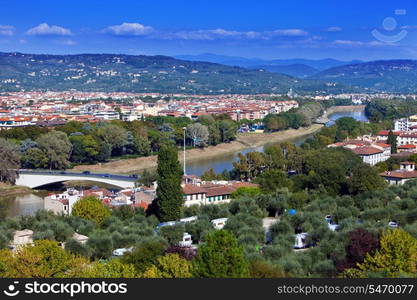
(169, 191)
(392, 140)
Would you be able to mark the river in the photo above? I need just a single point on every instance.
(225, 162)
(30, 203)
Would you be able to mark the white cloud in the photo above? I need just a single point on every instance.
(45, 29)
(129, 29)
(289, 32)
(350, 43)
(213, 34)
(6, 30)
(334, 29)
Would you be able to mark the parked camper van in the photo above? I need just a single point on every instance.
(186, 240)
(301, 241)
(219, 223)
(189, 219)
(332, 226)
(122, 251)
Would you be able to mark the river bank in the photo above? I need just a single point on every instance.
(7, 190)
(343, 108)
(243, 141)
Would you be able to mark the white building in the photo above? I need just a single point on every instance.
(406, 172)
(370, 152)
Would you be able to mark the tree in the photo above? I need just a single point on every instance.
(271, 180)
(169, 193)
(84, 148)
(142, 145)
(147, 178)
(9, 161)
(198, 133)
(185, 252)
(227, 130)
(101, 244)
(173, 234)
(34, 158)
(361, 242)
(249, 165)
(365, 178)
(115, 268)
(259, 268)
(44, 259)
(57, 149)
(145, 253)
(397, 255)
(392, 140)
(113, 135)
(211, 175)
(92, 209)
(220, 257)
(169, 266)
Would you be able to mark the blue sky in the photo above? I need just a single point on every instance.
(266, 29)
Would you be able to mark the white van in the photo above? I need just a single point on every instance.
(301, 241)
(219, 223)
(189, 219)
(187, 240)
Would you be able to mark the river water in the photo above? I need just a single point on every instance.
(30, 203)
(225, 162)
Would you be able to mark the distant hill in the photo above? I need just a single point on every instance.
(382, 75)
(296, 70)
(320, 64)
(129, 73)
(297, 67)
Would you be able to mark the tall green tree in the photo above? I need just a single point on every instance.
(92, 209)
(397, 255)
(365, 178)
(9, 161)
(57, 148)
(392, 140)
(220, 257)
(169, 191)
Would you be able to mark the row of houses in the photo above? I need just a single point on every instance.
(195, 191)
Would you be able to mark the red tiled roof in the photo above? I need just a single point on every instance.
(401, 174)
(366, 151)
(190, 189)
(407, 163)
(386, 132)
(407, 146)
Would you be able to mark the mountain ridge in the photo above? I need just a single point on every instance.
(138, 73)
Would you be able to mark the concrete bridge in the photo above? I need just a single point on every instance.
(37, 178)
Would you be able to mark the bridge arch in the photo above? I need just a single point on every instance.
(34, 180)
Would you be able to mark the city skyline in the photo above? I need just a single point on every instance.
(265, 29)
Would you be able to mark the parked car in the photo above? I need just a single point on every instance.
(393, 224)
(86, 172)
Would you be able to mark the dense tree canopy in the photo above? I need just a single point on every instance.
(9, 161)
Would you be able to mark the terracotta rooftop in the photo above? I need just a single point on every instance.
(402, 174)
(366, 151)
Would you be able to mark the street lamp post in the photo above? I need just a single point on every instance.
(185, 129)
